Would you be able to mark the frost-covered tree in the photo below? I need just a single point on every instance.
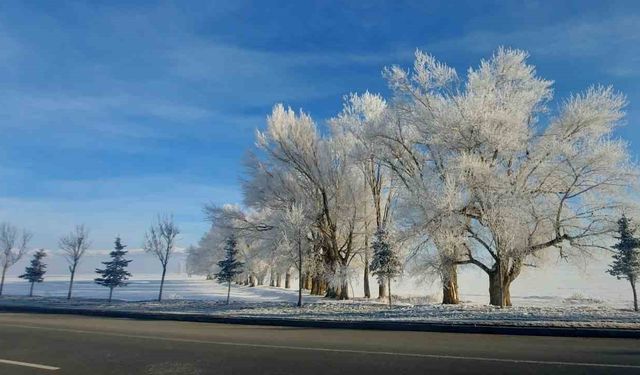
(356, 126)
(385, 263)
(433, 234)
(319, 168)
(522, 179)
(34, 273)
(160, 240)
(13, 245)
(626, 259)
(474, 171)
(230, 266)
(257, 239)
(272, 190)
(203, 258)
(434, 250)
(421, 168)
(294, 230)
(195, 264)
(115, 273)
(73, 246)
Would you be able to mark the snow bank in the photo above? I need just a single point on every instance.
(206, 297)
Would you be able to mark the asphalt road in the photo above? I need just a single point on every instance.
(67, 344)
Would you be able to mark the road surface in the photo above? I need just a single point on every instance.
(67, 344)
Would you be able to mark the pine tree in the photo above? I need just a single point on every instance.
(114, 274)
(626, 261)
(230, 266)
(35, 272)
(385, 263)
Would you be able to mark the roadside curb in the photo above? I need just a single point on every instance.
(332, 324)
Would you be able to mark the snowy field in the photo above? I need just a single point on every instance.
(559, 294)
(141, 290)
(551, 284)
(202, 296)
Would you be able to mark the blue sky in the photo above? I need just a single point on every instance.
(111, 112)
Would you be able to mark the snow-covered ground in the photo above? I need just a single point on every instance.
(140, 290)
(202, 296)
(557, 294)
(547, 285)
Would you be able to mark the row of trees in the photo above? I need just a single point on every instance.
(475, 172)
(112, 276)
(160, 241)
(626, 264)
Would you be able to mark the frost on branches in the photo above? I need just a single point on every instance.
(514, 186)
(473, 171)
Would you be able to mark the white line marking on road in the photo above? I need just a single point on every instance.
(27, 364)
(330, 350)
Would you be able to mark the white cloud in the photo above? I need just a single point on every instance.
(573, 38)
(38, 107)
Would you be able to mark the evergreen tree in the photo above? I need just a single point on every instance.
(626, 261)
(35, 272)
(230, 266)
(114, 274)
(385, 263)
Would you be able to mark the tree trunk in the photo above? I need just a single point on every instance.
(308, 281)
(300, 282)
(635, 295)
(382, 290)
(313, 287)
(389, 288)
(279, 280)
(31, 290)
(500, 279)
(4, 271)
(73, 274)
(450, 287)
(324, 285)
(332, 292)
(164, 272)
(110, 294)
(287, 280)
(228, 291)
(450, 293)
(344, 290)
(253, 281)
(367, 289)
(499, 294)
(316, 287)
